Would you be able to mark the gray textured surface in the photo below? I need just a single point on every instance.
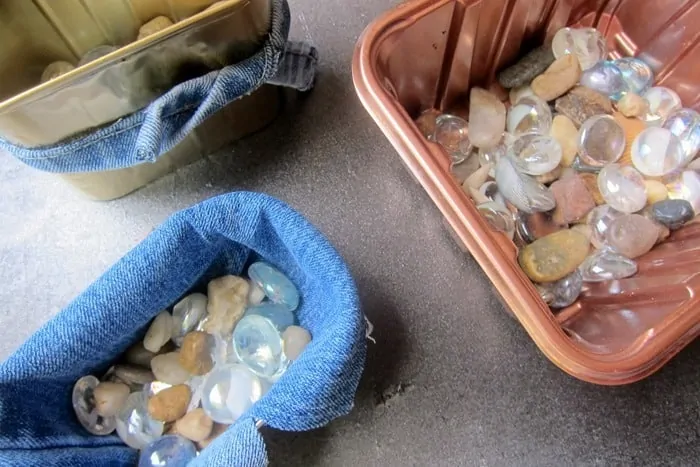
(476, 389)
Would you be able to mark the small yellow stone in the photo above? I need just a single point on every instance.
(153, 26)
(555, 256)
(566, 134)
(656, 191)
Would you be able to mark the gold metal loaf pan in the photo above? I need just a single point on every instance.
(206, 35)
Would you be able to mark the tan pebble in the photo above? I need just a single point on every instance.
(560, 77)
(217, 430)
(591, 181)
(549, 177)
(632, 128)
(159, 332)
(566, 134)
(656, 191)
(110, 397)
(479, 177)
(632, 105)
(584, 229)
(195, 425)
(555, 256)
(593, 96)
(228, 297)
(295, 339)
(195, 353)
(153, 26)
(582, 103)
(170, 404)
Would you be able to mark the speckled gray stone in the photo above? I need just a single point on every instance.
(452, 380)
(527, 68)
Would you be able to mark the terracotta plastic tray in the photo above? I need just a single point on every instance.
(427, 54)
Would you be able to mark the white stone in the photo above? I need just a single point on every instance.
(167, 369)
(159, 333)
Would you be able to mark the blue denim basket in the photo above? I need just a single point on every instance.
(216, 237)
(147, 134)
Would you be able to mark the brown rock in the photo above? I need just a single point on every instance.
(561, 76)
(566, 134)
(195, 425)
(555, 256)
(573, 199)
(218, 430)
(228, 297)
(632, 105)
(195, 353)
(581, 103)
(170, 404)
(487, 118)
(153, 26)
(591, 181)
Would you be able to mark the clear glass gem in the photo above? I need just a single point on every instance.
(657, 152)
(685, 123)
(662, 103)
(687, 187)
(84, 406)
(135, 426)
(187, 314)
(637, 75)
(277, 313)
(277, 287)
(522, 190)
(606, 265)
(622, 187)
(537, 154)
(168, 451)
(600, 219)
(229, 391)
(258, 344)
(97, 52)
(452, 134)
(530, 115)
(498, 217)
(601, 141)
(587, 43)
(605, 78)
(494, 154)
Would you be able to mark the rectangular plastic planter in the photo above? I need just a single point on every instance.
(427, 54)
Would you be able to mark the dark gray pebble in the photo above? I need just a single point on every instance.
(672, 213)
(527, 68)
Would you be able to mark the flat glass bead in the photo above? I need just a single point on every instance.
(187, 314)
(229, 391)
(277, 287)
(587, 43)
(498, 217)
(622, 187)
(687, 187)
(135, 426)
(662, 103)
(84, 406)
(493, 155)
(258, 344)
(657, 152)
(530, 115)
(601, 141)
(600, 219)
(637, 75)
(606, 265)
(605, 78)
(522, 190)
(685, 123)
(278, 314)
(168, 451)
(452, 134)
(537, 154)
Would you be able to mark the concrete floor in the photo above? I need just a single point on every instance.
(452, 379)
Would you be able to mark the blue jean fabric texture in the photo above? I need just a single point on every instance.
(219, 236)
(145, 135)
